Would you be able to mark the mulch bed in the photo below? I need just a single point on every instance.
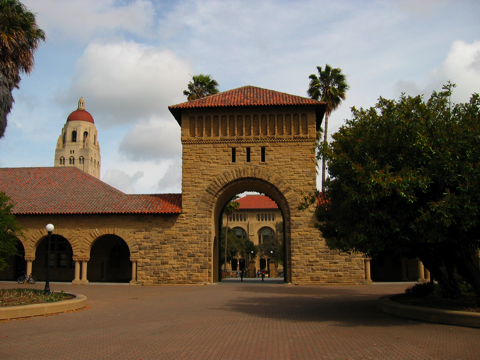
(19, 297)
(464, 303)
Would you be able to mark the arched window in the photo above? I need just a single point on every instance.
(273, 217)
(269, 217)
(71, 161)
(64, 136)
(258, 217)
(81, 160)
(74, 136)
(262, 217)
(85, 134)
(240, 233)
(62, 161)
(265, 235)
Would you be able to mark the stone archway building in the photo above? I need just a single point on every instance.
(245, 139)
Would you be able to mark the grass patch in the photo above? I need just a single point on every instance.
(19, 297)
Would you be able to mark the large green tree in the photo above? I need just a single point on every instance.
(405, 177)
(200, 86)
(330, 87)
(9, 230)
(20, 37)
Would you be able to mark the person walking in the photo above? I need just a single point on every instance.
(242, 272)
(263, 275)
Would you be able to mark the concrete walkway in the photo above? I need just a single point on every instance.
(233, 320)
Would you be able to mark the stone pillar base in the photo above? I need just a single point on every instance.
(422, 281)
(135, 283)
(77, 282)
(82, 282)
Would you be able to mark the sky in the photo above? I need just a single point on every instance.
(130, 60)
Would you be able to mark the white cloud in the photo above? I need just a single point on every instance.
(171, 182)
(121, 180)
(156, 141)
(80, 21)
(125, 82)
(461, 66)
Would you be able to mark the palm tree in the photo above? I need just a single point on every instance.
(201, 86)
(19, 39)
(330, 87)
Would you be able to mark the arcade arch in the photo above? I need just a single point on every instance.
(109, 260)
(16, 264)
(241, 185)
(62, 266)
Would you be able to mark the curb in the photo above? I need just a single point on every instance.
(12, 312)
(449, 317)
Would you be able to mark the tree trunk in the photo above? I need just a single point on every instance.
(325, 134)
(432, 260)
(468, 271)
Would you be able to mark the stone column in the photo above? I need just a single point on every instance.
(272, 270)
(84, 272)
(76, 281)
(252, 270)
(421, 272)
(427, 275)
(368, 276)
(28, 269)
(404, 269)
(134, 273)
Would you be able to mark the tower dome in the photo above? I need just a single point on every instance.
(78, 144)
(81, 114)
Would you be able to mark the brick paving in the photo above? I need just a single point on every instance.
(232, 320)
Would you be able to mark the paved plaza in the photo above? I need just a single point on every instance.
(232, 320)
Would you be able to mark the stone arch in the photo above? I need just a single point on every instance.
(125, 235)
(32, 238)
(238, 180)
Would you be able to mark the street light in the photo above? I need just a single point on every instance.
(47, 291)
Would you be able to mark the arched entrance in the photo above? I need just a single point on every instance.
(15, 264)
(109, 260)
(62, 266)
(226, 193)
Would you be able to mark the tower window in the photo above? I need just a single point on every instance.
(71, 161)
(234, 155)
(248, 154)
(81, 160)
(85, 134)
(74, 136)
(263, 154)
(62, 161)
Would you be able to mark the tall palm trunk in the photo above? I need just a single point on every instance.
(325, 134)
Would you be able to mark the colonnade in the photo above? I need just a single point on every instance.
(81, 270)
(423, 273)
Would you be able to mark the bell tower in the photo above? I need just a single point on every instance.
(78, 143)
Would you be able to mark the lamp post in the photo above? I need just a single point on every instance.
(47, 291)
(271, 257)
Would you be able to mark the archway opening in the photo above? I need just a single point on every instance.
(274, 254)
(109, 260)
(62, 266)
(16, 264)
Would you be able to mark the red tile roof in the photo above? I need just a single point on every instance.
(256, 202)
(68, 190)
(247, 96)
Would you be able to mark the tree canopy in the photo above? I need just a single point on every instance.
(404, 176)
(200, 86)
(9, 230)
(330, 87)
(19, 39)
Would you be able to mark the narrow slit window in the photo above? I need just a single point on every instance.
(248, 154)
(234, 155)
(263, 154)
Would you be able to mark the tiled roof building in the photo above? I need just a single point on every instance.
(68, 190)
